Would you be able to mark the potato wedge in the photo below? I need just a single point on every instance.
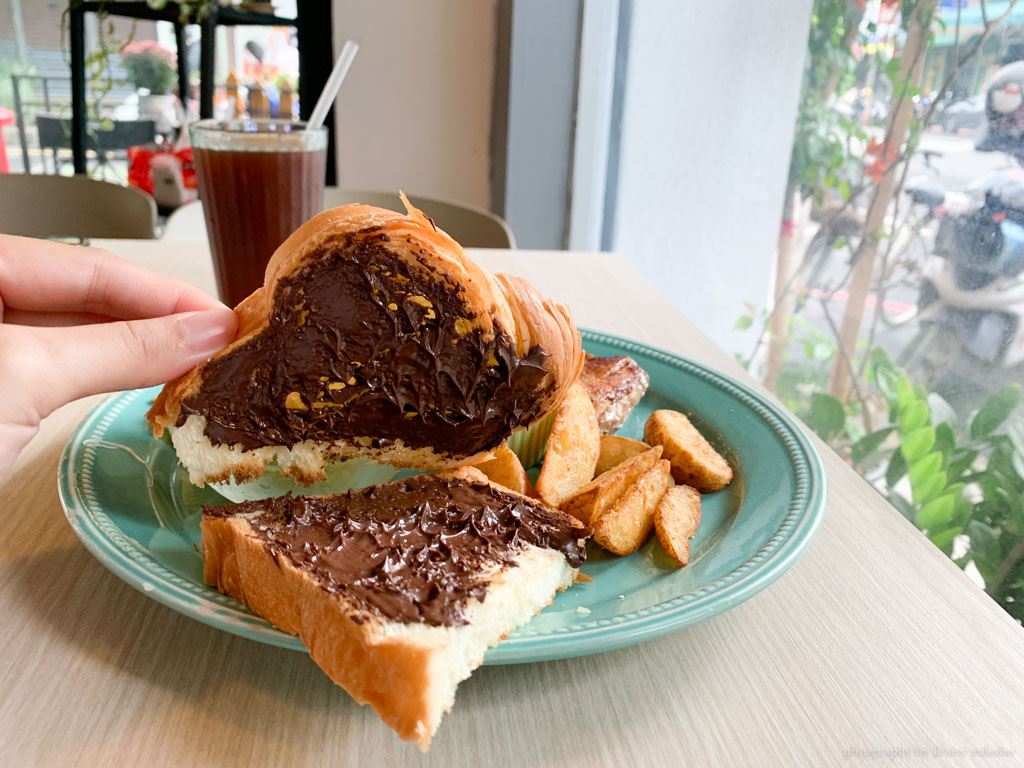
(676, 519)
(572, 450)
(694, 461)
(591, 501)
(623, 528)
(506, 469)
(615, 450)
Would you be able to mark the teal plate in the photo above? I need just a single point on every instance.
(131, 505)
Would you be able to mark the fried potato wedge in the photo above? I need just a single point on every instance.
(572, 450)
(593, 499)
(615, 450)
(623, 528)
(676, 519)
(694, 461)
(506, 469)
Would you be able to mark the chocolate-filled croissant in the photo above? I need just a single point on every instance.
(373, 335)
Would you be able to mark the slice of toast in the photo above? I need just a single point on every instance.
(398, 589)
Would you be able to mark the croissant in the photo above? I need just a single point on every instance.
(373, 335)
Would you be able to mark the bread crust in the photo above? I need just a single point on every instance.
(393, 673)
(237, 564)
(510, 302)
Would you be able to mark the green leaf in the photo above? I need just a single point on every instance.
(897, 468)
(880, 358)
(1018, 464)
(962, 464)
(942, 412)
(743, 322)
(944, 538)
(918, 443)
(892, 69)
(927, 465)
(962, 512)
(1016, 434)
(824, 351)
(985, 549)
(945, 441)
(928, 487)
(995, 411)
(955, 489)
(913, 416)
(827, 416)
(869, 444)
(904, 391)
(936, 512)
(887, 382)
(1016, 515)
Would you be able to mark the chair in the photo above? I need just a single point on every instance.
(55, 134)
(471, 226)
(73, 206)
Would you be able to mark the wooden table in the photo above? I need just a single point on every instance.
(873, 645)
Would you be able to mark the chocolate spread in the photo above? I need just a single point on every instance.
(411, 551)
(363, 346)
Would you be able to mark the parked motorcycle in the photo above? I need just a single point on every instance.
(971, 302)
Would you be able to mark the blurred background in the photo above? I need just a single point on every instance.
(831, 188)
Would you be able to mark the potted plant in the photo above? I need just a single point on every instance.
(151, 69)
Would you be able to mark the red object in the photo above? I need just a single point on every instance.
(140, 163)
(6, 118)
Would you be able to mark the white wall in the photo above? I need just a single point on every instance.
(710, 104)
(541, 103)
(415, 110)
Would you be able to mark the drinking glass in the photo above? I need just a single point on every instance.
(259, 180)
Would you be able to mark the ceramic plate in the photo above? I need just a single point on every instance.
(131, 505)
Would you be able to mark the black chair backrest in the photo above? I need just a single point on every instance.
(55, 133)
(126, 133)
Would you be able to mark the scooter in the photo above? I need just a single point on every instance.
(971, 301)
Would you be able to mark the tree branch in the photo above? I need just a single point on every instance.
(958, 65)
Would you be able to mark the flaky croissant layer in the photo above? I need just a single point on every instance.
(373, 335)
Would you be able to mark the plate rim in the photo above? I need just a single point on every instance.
(787, 543)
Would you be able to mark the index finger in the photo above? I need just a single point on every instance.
(38, 275)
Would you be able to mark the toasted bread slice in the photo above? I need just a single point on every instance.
(397, 590)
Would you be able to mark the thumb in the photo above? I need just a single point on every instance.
(105, 357)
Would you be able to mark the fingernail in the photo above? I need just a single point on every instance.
(208, 331)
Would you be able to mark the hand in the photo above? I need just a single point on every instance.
(79, 321)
